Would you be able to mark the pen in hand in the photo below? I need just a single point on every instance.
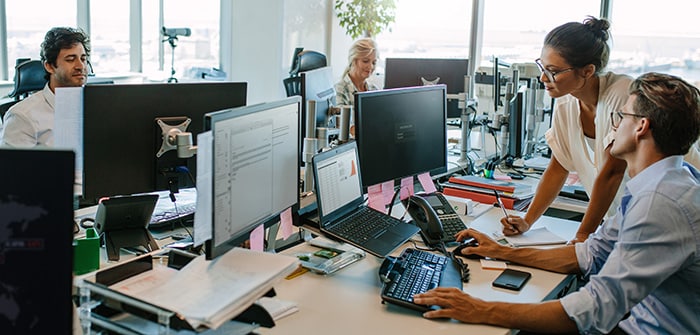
(503, 208)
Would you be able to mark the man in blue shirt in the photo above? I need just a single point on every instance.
(643, 265)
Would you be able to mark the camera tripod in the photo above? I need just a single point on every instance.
(172, 40)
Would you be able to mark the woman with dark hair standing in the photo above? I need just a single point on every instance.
(572, 61)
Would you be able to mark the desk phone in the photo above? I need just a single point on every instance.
(435, 216)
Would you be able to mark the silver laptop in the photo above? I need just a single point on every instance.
(341, 205)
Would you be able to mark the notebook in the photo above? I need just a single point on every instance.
(36, 236)
(340, 199)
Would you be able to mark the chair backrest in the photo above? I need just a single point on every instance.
(292, 85)
(29, 77)
(5, 106)
(303, 60)
(308, 60)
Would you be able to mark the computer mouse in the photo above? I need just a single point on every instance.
(467, 243)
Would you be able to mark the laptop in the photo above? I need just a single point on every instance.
(36, 237)
(341, 204)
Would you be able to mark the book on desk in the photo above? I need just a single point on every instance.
(514, 195)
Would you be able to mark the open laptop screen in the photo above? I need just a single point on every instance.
(338, 180)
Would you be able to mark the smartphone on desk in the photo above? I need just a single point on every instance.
(511, 279)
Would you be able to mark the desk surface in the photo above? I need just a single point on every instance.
(348, 301)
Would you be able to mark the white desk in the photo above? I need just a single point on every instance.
(348, 302)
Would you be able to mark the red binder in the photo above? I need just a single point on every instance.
(479, 197)
(485, 197)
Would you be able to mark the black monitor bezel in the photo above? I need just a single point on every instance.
(360, 119)
(406, 72)
(37, 257)
(119, 131)
(517, 124)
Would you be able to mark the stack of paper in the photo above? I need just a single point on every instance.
(209, 293)
(537, 236)
(278, 308)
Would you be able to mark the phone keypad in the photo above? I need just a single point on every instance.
(451, 224)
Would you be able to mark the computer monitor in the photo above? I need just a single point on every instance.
(255, 169)
(401, 132)
(406, 72)
(317, 85)
(121, 136)
(36, 236)
(517, 124)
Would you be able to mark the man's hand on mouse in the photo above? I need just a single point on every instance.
(478, 244)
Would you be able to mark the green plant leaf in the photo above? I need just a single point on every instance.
(365, 17)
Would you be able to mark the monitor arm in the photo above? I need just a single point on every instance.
(175, 137)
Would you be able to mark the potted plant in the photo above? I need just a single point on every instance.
(365, 18)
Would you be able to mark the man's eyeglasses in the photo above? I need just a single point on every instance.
(616, 117)
(550, 74)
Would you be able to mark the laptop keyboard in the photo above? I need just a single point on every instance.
(416, 271)
(363, 225)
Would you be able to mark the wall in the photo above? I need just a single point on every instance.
(255, 53)
(263, 36)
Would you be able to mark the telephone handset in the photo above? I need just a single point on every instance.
(426, 219)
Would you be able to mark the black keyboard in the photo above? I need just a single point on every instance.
(363, 225)
(416, 271)
(161, 218)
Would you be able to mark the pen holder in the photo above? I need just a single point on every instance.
(86, 253)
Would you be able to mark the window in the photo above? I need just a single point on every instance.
(656, 38)
(109, 36)
(514, 30)
(426, 29)
(27, 23)
(305, 26)
(193, 53)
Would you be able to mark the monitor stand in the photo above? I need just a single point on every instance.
(122, 221)
(117, 239)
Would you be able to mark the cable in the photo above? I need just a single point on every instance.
(393, 198)
(408, 205)
(184, 169)
(461, 167)
(415, 246)
(180, 218)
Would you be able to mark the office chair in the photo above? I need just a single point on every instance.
(29, 77)
(302, 61)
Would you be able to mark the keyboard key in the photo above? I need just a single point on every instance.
(416, 271)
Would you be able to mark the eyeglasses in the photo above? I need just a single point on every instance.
(616, 117)
(550, 74)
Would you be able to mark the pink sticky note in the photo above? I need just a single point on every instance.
(376, 199)
(286, 223)
(406, 187)
(388, 191)
(257, 238)
(426, 182)
(377, 203)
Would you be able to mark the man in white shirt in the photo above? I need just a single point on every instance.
(29, 123)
